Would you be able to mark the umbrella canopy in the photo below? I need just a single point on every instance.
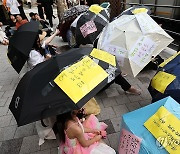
(167, 80)
(136, 9)
(134, 39)
(90, 24)
(68, 17)
(21, 43)
(61, 84)
(73, 12)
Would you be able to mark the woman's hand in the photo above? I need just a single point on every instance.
(96, 131)
(57, 31)
(97, 137)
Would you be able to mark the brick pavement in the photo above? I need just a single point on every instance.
(113, 102)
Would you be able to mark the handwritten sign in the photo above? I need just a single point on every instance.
(169, 59)
(161, 80)
(140, 10)
(129, 143)
(104, 56)
(95, 8)
(88, 28)
(147, 24)
(80, 78)
(123, 20)
(119, 52)
(164, 124)
(141, 52)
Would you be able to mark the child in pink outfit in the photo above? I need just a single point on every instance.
(81, 138)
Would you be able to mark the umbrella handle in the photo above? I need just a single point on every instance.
(43, 124)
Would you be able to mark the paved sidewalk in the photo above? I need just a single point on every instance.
(113, 102)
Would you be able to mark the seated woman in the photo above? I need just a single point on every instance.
(20, 21)
(39, 53)
(75, 138)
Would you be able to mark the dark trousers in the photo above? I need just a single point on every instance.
(50, 20)
(40, 11)
(120, 80)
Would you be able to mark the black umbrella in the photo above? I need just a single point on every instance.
(37, 96)
(21, 43)
(73, 12)
(173, 89)
(90, 25)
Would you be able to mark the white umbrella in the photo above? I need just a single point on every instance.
(134, 39)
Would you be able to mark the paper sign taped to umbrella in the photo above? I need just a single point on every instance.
(82, 77)
(169, 59)
(164, 126)
(129, 143)
(161, 80)
(95, 8)
(119, 52)
(104, 56)
(123, 20)
(141, 52)
(88, 28)
(140, 10)
(147, 24)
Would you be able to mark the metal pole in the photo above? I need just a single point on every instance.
(155, 6)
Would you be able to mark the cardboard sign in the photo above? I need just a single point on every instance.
(161, 80)
(142, 50)
(80, 78)
(169, 59)
(165, 127)
(129, 143)
(95, 8)
(88, 28)
(104, 56)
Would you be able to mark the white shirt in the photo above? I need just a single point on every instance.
(2, 35)
(13, 5)
(34, 58)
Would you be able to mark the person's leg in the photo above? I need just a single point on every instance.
(50, 20)
(120, 80)
(40, 12)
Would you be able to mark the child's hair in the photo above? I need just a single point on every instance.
(61, 121)
(37, 46)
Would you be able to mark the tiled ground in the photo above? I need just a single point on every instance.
(113, 102)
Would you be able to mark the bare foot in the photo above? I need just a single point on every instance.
(134, 91)
(123, 74)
